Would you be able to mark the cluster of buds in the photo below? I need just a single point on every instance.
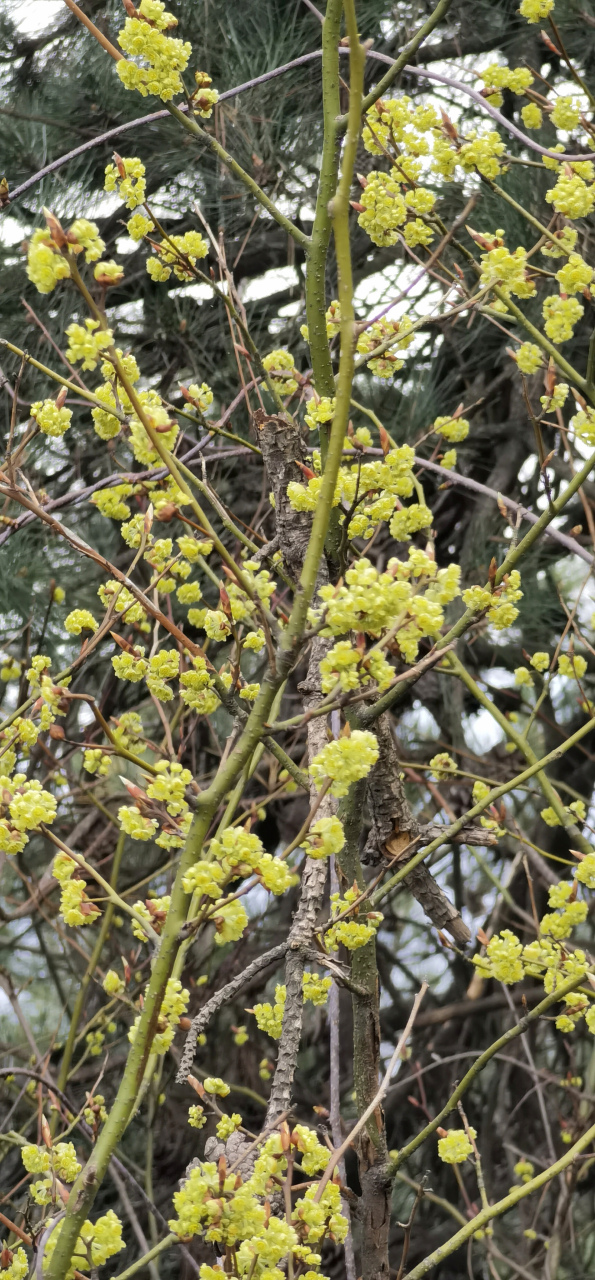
(203, 98)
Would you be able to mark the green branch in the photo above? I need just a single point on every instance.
(501, 1206)
(64, 382)
(565, 987)
(439, 13)
(490, 798)
(191, 126)
(322, 368)
(521, 743)
(94, 959)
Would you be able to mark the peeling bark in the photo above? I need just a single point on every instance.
(282, 448)
(394, 828)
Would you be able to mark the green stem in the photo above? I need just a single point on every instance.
(522, 745)
(321, 228)
(501, 1206)
(191, 126)
(89, 971)
(565, 987)
(370, 714)
(164, 1244)
(64, 382)
(85, 1188)
(477, 809)
(576, 378)
(439, 13)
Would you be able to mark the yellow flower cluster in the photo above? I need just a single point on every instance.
(237, 852)
(143, 37)
(500, 605)
(385, 209)
(529, 357)
(351, 668)
(75, 906)
(173, 1007)
(97, 1242)
(23, 806)
(566, 112)
(79, 620)
(319, 411)
(86, 342)
(453, 429)
(280, 368)
(536, 10)
(182, 252)
(395, 331)
(14, 1264)
(355, 928)
(325, 836)
(497, 78)
(532, 116)
(374, 485)
(560, 316)
(111, 502)
(139, 226)
(408, 597)
(508, 961)
(344, 761)
(51, 419)
(127, 176)
(259, 1243)
(456, 1147)
(269, 1017)
(571, 195)
(505, 269)
(46, 263)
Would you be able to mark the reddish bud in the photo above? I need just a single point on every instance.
(448, 126)
(306, 471)
(124, 644)
(549, 44)
(384, 440)
(54, 228)
(137, 793)
(166, 513)
(63, 1192)
(119, 163)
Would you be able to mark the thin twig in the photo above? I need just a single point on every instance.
(376, 1100)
